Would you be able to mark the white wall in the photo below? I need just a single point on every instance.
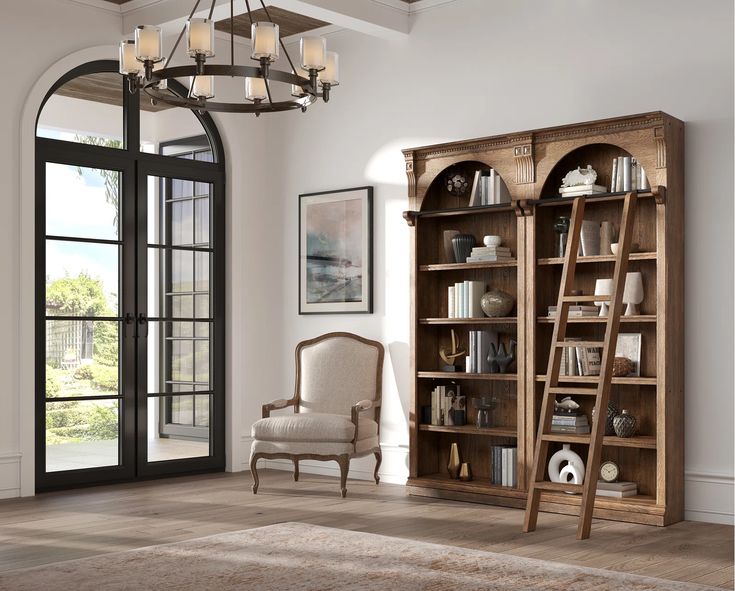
(472, 68)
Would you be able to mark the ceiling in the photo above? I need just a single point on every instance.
(289, 23)
(104, 87)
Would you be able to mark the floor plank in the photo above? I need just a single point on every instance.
(85, 522)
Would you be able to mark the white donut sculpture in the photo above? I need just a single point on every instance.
(574, 466)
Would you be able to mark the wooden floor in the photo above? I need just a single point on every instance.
(72, 524)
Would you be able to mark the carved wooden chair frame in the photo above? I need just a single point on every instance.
(364, 405)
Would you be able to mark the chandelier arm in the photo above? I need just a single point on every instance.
(178, 39)
(268, 90)
(283, 46)
(211, 9)
(232, 32)
(250, 14)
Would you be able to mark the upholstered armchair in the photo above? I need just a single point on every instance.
(336, 407)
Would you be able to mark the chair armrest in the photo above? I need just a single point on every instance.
(276, 404)
(359, 407)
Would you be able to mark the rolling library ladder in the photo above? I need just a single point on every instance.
(601, 392)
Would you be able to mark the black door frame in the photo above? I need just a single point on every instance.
(135, 166)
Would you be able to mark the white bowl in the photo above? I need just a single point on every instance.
(614, 248)
(492, 240)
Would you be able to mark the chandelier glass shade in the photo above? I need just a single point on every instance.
(142, 62)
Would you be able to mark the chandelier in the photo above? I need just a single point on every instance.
(143, 64)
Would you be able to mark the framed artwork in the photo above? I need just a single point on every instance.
(336, 252)
(629, 346)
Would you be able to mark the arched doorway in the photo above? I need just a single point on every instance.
(129, 285)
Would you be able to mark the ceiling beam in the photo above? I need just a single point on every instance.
(366, 16)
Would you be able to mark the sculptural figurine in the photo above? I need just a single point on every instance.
(500, 359)
(449, 357)
(575, 178)
(566, 404)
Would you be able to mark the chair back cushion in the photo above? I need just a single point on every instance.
(337, 372)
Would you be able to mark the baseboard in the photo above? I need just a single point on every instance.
(394, 468)
(9, 475)
(709, 497)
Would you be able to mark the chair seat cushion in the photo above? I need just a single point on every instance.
(312, 427)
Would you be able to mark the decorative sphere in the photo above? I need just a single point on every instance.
(497, 303)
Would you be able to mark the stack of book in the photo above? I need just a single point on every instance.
(489, 253)
(480, 340)
(447, 406)
(628, 175)
(572, 421)
(579, 190)
(503, 460)
(463, 299)
(618, 490)
(577, 310)
(579, 361)
(488, 189)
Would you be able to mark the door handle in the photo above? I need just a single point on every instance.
(142, 325)
(129, 323)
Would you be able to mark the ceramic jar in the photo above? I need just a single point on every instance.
(462, 245)
(497, 303)
(625, 424)
(612, 412)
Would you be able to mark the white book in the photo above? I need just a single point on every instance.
(619, 175)
(471, 358)
(475, 291)
(435, 406)
(626, 173)
(475, 194)
(582, 190)
(465, 299)
(614, 176)
(633, 174)
(643, 184)
(504, 468)
(457, 296)
(498, 190)
(616, 486)
(485, 187)
(490, 250)
(621, 494)
(491, 199)
(489, 258)
(450, 302)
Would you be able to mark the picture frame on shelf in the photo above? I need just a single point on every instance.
(336, 252)
(629, 346)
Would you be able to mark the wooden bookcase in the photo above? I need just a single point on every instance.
(532, 164)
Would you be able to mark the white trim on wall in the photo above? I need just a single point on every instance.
(10, 474)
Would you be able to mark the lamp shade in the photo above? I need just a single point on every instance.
(148, 43)
(633, 293)
(128, 63)
(200, 37)
(296, 90)
(603, 287)
(313, 53)
(202, 87)
(255, 89)
(330, 74)
(264, 38)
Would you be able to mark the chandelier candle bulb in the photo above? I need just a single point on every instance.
(313, 53)
(330, 74)
(202, 87)
(129, 65)
(200, 37)
(148, 43)
(264, 37)
(255, 89)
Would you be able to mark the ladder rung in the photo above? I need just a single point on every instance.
(566, 438)
(587, 298)
(586, 344)
(573, 391)
(558, 486)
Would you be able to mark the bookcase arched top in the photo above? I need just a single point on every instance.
(451, 187)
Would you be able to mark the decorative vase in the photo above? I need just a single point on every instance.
(573, 471)
(503, 358)
(454, 463)
(497, 303)
(633, 292)
(462, 245)
(570, 457)
(448, 247)
(603, 287)
(606, 237)
(625, 424)
(589, 241)
(465, 472)
(610, 415)
(561, 227)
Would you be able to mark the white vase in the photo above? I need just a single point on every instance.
(572, 459)
(574, 472)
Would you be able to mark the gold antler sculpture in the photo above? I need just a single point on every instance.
(450, 357)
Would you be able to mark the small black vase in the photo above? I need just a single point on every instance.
(463, 245)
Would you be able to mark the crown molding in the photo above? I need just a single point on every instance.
(98, 4)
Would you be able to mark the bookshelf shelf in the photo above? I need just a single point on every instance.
(472, 430)
(449, 375)
(468, 266)
(641, 442)
(598, 319)
(460, 321)
(532, 165)
(634, 256)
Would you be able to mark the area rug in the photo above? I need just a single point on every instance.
(310, 558)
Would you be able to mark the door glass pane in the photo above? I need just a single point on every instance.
(82, 358)
(178, 427)
(82, 278)
(82, 434)
(86, 110)
(82, 202)
(178, 357)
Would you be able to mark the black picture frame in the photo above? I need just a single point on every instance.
(363, 304)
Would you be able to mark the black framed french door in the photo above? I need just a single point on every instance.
(129, 304)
